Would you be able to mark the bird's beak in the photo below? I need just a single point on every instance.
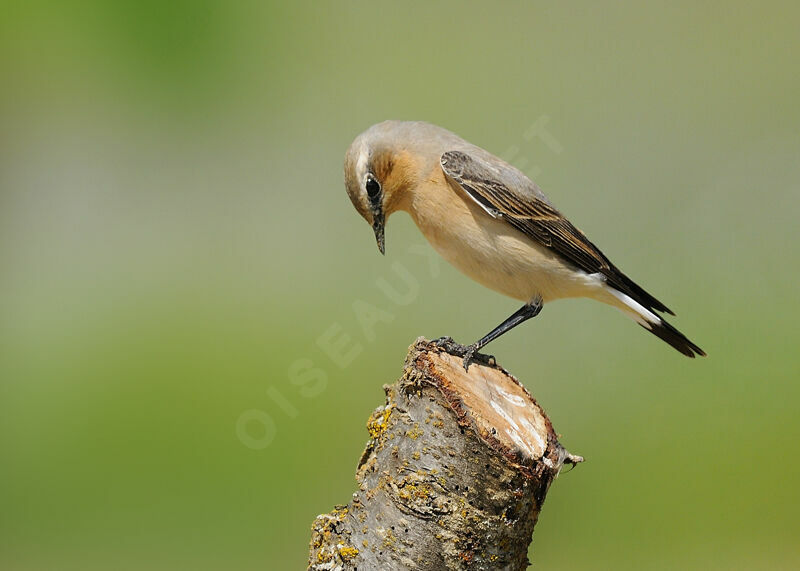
(377, 227)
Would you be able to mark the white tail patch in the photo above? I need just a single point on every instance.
(634, 309)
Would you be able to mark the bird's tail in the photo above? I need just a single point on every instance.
(654, 324)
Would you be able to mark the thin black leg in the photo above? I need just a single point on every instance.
(524, 313)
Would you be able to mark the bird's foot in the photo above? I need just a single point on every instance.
(469, 353)
(447, 344)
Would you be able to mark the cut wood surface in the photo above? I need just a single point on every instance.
(454, 474)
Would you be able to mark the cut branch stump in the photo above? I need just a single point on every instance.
(454, 474)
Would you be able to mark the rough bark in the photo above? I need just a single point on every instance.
(454, 474)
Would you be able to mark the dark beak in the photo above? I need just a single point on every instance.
(377, 227)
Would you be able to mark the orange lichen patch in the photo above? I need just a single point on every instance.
(466, 556)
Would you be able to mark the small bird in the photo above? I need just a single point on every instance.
(491, 222)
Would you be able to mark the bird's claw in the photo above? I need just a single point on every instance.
(469, 354)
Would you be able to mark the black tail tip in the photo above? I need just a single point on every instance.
(676, 339)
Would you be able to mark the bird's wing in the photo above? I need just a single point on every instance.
(505, 193)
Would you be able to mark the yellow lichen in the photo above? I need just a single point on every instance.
(415, 492)
(347, 552)
(389, 539)
(379, 422)
(415, 432)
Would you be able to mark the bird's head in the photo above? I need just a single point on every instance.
(379, 170)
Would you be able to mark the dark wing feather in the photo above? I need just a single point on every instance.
(529, 212)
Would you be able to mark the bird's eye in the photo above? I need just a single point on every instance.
(373, 187)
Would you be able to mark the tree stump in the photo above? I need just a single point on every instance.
(454, 474)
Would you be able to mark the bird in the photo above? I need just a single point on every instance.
(491, 222)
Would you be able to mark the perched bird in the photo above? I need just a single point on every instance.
(491, 222)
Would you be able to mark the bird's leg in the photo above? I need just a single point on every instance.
(524, 313)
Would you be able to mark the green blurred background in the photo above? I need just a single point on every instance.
(175, 239)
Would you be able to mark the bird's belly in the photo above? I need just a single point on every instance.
(505, 260)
